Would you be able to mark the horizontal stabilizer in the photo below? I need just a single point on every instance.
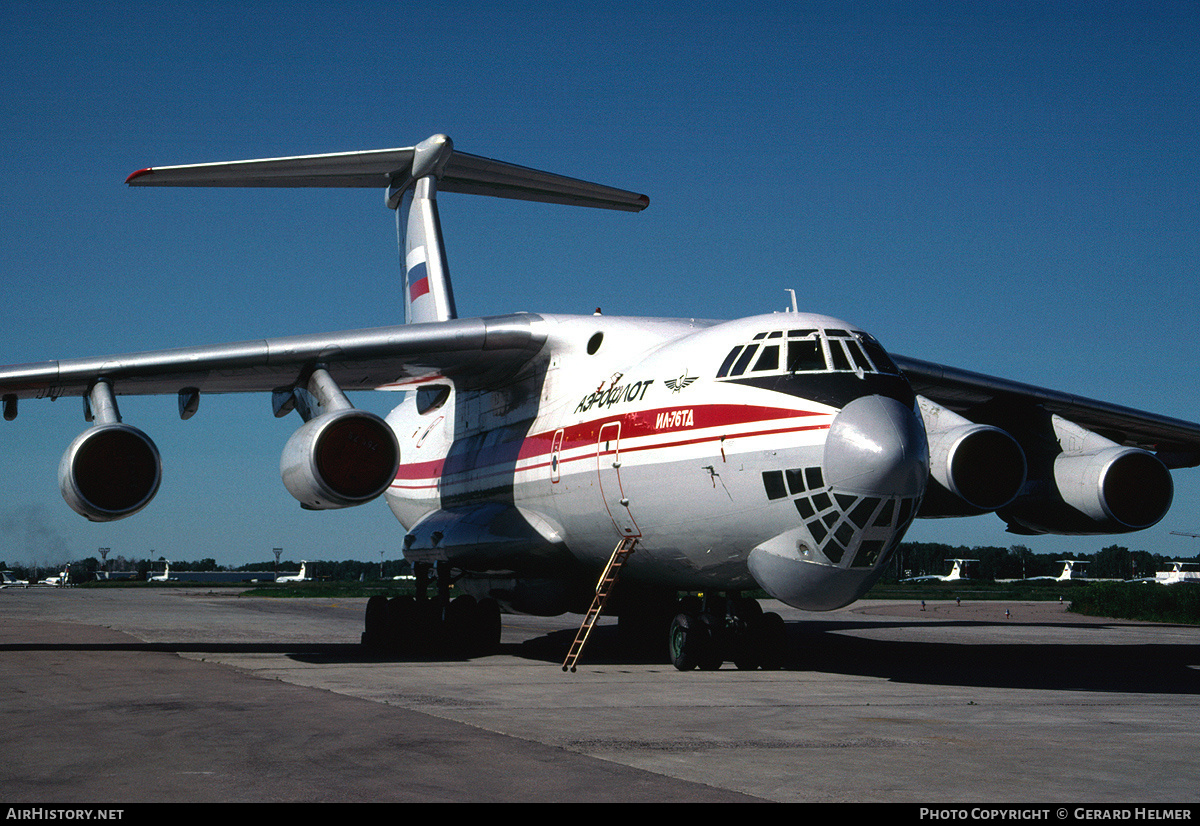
(382, 168)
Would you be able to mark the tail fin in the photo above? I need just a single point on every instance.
(428, 295)
(412, 176)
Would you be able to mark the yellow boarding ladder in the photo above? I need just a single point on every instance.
(603, 588)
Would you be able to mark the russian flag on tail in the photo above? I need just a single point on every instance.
(418, 281)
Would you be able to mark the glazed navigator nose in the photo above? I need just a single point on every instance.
(877, 447)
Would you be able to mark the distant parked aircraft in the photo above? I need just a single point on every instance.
(165, 576)
(300, 577)
(7, 581)
(957, 571)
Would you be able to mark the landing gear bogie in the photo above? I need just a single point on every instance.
(432, 625)
(705, 635)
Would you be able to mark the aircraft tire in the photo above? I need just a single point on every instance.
(399, 623)
(688, 640)
(429, 626)
(459, 621)
(712, 654)
(374, 623)
(747, 650)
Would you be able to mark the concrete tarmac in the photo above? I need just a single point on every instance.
(187, 694)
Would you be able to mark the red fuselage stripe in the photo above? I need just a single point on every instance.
(633, 425)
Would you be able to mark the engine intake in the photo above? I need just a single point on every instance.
(1125, 487)
(977, 468)
(109, 472)
(1114, 490)
(340, 459)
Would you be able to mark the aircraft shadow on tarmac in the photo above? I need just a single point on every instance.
(816, 646)
(1149, 669)
(813, 646)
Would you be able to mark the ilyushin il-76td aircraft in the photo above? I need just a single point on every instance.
(533, 456)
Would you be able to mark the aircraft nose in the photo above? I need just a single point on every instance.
(877, 447)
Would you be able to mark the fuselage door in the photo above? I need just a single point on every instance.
(608, 466)
(555, 450)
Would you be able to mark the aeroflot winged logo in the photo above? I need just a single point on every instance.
(678, 384)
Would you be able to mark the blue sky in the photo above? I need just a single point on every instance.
(1007, 187)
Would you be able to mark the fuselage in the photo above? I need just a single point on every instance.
(780, 451)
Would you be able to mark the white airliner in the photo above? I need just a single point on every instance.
(8, 581)
(1072, 569)
(958, 570)
(300, 577)
(787, 452)
(61, 580)
(1181, 571)
(165, 576)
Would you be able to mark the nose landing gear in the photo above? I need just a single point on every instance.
(704, 634)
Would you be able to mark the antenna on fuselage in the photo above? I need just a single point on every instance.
(794, 309)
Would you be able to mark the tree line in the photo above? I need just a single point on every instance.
(911, 559)
(1019, 562)
(86, 569)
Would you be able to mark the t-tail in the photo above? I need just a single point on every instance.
(412, 177)
(428, 295)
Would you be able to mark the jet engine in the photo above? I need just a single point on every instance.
(977, 468)
(340, 459)
(109, 472)
(1094, 486)
(341, 456)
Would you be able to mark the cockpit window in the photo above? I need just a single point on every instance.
(840, 360)
(805, 354)
(744, 359)
(807, 351)
(860, 358)
(769, 360)
(878, 355)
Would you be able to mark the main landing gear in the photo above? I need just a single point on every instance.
(432, 626)
(705, 633)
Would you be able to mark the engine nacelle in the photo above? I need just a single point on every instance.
(340, 459)
(1112, 490)
(1126, 487)
(109, 472)
(978, 469)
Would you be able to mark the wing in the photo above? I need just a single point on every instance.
(340, 457)
(986, 398)
(1044, 461)
(476, 352)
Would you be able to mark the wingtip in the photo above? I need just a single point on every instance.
(140, 173)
